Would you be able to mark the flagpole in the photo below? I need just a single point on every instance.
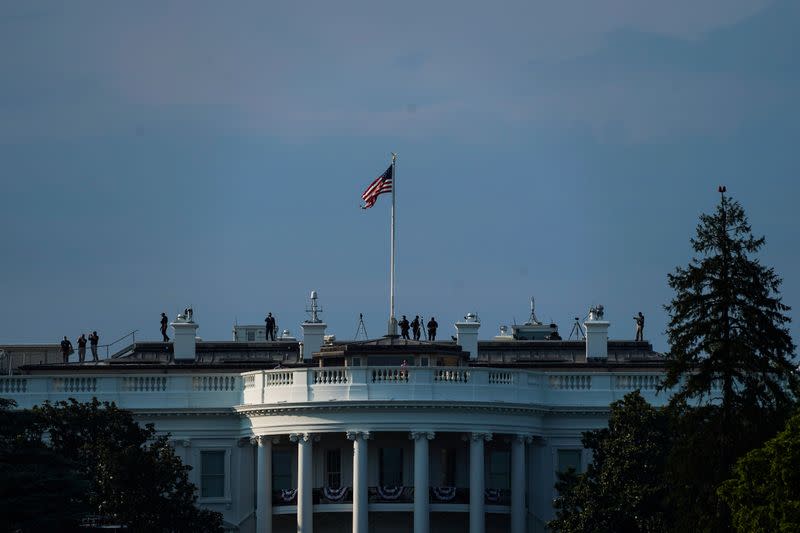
(392, 320)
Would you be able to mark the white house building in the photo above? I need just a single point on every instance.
(381, 435)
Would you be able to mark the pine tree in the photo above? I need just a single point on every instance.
(730, 348)
(728, 325)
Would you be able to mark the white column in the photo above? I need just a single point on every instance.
(360, 483)
(263, 484)
(477, 512)
(422, 507)
(305, 469)
(518, 469)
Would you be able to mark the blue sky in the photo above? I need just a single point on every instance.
(157, 154)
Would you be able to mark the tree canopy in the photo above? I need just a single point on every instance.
(730, 360)
(728, 326)
(622, 489)
(107, 466)
(764, 494)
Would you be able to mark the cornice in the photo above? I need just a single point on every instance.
(303, 408)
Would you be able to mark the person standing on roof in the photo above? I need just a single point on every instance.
(66, 349)
(639, 326)
(270, 321)
(415, 326)
(164, 322)
(432, 325)
(94, 338)
(82, 347)
(404, 325)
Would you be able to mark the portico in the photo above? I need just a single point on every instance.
(392, 472)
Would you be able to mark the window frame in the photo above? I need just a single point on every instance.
(226, 468)
(329, 472)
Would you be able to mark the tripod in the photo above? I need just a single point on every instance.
(577, 330)
(361, 327)
(423, 328)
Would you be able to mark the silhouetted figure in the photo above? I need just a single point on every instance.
(404, 325)
(415, 327)
(164, 322)
(432, 325)
(639, 326)
(270, 320)
(82, 347)
(66, 349)
(94, 338)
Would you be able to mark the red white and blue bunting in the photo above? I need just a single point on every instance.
(444, 494)
(288, 495)
(389, 492)
(492, 495)
(334, 494)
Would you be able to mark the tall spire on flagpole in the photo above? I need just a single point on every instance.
(392, 319)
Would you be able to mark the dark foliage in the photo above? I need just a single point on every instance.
(730, 360)
(135, 477)
(764, 494)
(623, 489)
(40, 490)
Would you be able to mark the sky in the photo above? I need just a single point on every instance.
(160, 154)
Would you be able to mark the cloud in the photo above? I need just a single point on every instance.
(468, 69)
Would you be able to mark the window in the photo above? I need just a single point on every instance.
(569, 459)
(281, 469)
(499, 469)
(251, 335)
(447, 474)
(391, 466)
(423, 361)
(212, 474)
(333, 468)
(355, 361)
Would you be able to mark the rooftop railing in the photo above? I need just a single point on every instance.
(353, 384)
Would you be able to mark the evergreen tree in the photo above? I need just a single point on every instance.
(623, 489)
(728, 325)
(730, 358)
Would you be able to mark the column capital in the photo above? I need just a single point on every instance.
(354, 434)
(524, 438)
(300, 437)
(261, 440)
(416, 435)
(475, 436)
(186, 443)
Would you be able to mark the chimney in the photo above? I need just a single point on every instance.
(596, 334)
(183, 341)
(467, 335)
(313, 330)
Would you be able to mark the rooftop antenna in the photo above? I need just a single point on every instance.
(361, 327)
(314, 310)
(533, 320)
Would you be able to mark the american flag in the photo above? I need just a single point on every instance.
(382, 184)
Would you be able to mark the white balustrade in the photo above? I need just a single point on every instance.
(451, 375)
(279, 378)
(390, 375)
(144, 384)
(334, 376)
(214, 383)
(75, 384)
(639, 381)
(358, 384)
(571, 382)
(13, 385)
(501, 377)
